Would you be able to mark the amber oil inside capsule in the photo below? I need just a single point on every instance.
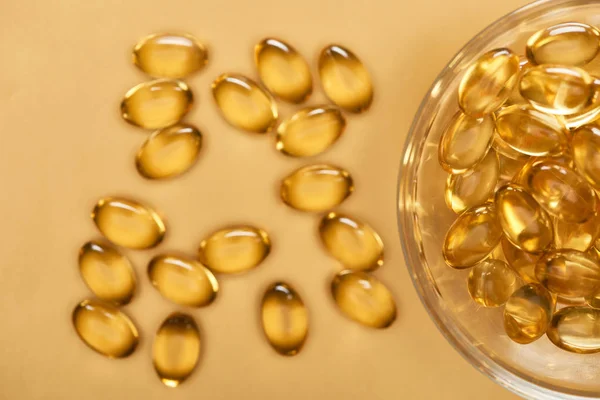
(569, 273)
(491, 282)
(576, 329)
(569, 43)
(521, 262)
(586, 153)
(527, 313)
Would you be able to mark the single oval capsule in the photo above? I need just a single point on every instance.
(310, 131)
(169, 55)
(527, 313)
(530, 131)
(557, 89)
(522, 219)
(176, 349)
(361, 297)
(157, 104)
(128, 223)
(182, 280)
(107, 272)
(169, 152)
(316, 188)
(345, 79)
(284, 319)
(586, 153)
(465, 142)
(472, 237)
(560, 190)
(491, 282)
(235, 249)
(472, 188)
(244, 104)
(576, 235)
(576, 329)
(105, 329)
(569, 273)
(488, 82)
(521, 262)
(569, 43)
(352, 242)
(283, 70)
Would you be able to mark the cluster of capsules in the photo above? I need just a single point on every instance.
(173, 148)
(523, 156)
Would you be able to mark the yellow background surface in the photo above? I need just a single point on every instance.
(66, 64)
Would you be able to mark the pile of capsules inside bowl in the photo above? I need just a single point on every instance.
(523, 157)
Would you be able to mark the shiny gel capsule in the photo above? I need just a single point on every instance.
(576, 329)
(586, 153)
(491, 282)
(527, 313)
(569, 43)
(569, 273)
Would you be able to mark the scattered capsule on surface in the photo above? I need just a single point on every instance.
(576, 329)
(569, 43)
(361, 297)
(557, 89)
(491, 282)
(472, 237)
(345, 79)
(465, 142)
(488, 82)
(530, 131)
(283, 70)
(157, 104)
(169, 152)
(284, 319)
(560, 190)
(586, 153)
(235, 249)
(521, 262)
(176, 349)
(316, 188)
(310, 131)
(352, 242)
(107, 272)
(472, 188)
(182, 280)
(569, 273)
(105, 329)
(170, 55)
(527, 313)
(244, 104)
(522, 219)
(128, 223)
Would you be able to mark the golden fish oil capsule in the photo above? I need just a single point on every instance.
(352, 242)
(465, 142)
(472, 188)
(576, 235)
(310, 131)
(503, 149)
(569, 43)
(491, 282)
(523, 221)
(521, 262)
(182, 280)
(557, 89)
(345, 79)
(530, 131)
(284, 319)
(361, 297)
(586, 153)
(283, 70)
(169, 152)
(244, 104)
(589, 114)
(527, 313)
(157, 104)
(560, 190)
(472, 237)
(488, 82)
(107, 272)
(569, 273)
(235, 249)
(168, 55)
(176, 349)
(316, 188)
(105, 329)
(576, 329)
(128, 223)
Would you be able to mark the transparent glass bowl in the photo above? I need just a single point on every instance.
(538, 370)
